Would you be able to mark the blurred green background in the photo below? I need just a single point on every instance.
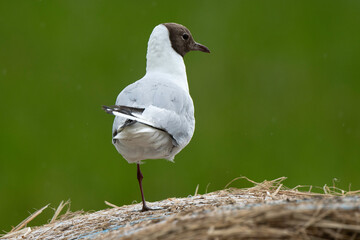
(279, 95)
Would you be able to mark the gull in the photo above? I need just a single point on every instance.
(154, 116)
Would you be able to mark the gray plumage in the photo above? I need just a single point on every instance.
(154, 117)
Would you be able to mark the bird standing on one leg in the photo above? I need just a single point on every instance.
(154, 117)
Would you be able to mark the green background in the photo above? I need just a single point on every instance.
(278, 96)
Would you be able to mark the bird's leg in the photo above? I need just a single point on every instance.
(140, 177)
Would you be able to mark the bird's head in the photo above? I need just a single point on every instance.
(182, 41)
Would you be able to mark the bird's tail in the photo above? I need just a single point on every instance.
(134, 114)
(128, 113)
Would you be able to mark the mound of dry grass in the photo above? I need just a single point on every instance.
(268, 210)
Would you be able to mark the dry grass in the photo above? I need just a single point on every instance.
(268, 210)
(28, 219)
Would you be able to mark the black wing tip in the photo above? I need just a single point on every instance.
(107, 109)
(121, 109)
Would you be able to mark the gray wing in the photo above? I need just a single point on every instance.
(165, 104)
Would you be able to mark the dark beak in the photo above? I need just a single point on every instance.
(200, 47)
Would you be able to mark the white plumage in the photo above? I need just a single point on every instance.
(164, 94)
(154, 117)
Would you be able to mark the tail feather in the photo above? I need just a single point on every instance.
(127, 112)
(122, 109)
(132, 115)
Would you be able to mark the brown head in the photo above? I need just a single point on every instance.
(182, 41)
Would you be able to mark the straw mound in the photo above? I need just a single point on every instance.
(267, 210)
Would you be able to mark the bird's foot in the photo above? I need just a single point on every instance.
(146, 208)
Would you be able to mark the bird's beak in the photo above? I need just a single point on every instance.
(200, 47)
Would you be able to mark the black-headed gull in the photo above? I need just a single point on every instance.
(154, 117)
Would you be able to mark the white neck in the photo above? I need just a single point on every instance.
(163, 59)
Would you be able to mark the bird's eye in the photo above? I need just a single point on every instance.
(185, 36)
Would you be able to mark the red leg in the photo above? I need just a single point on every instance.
(140, 177)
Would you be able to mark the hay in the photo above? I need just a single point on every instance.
(268, 210)
(28, 219)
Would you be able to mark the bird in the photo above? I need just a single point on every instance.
(154, 116)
